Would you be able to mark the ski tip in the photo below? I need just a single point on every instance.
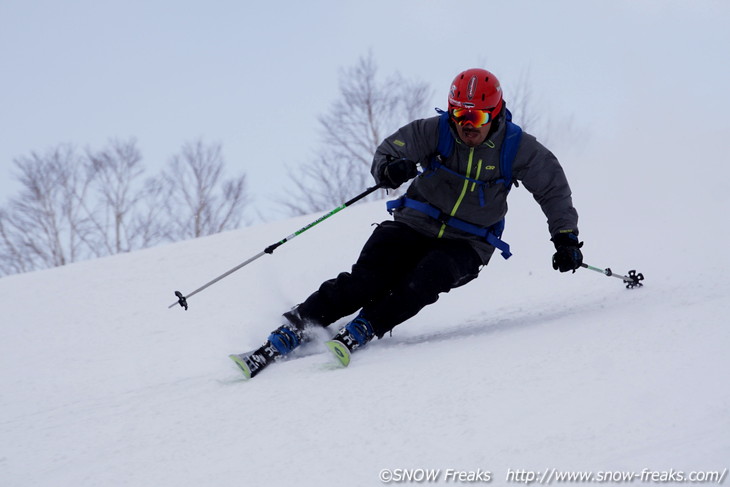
(340, 351)
(238, 360)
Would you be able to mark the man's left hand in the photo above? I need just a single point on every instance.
(568, 256)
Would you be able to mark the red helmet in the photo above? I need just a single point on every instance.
(476, 88)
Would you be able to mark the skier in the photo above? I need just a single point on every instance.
(445, 228)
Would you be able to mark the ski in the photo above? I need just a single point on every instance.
(241, 363)
(253, 362)
(340, 351)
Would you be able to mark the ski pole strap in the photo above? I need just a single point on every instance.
(491, 234)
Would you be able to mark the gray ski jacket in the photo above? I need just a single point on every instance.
(534, 166)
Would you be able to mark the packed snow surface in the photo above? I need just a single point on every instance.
(524, 368)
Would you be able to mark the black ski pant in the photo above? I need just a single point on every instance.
(399, 271)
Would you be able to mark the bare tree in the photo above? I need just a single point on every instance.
(197, 200)
(117, 170)
(524, 106)
(151, 220)
(74, 206)
(365, 113)
(46, 225)
(13, 257)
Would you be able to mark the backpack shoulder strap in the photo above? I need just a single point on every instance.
(511, 143)
(446, 140)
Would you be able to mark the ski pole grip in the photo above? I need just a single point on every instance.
(270, 249)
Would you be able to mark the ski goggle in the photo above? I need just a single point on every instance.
(473, 116)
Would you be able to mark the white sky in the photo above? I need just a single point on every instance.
(256, 75)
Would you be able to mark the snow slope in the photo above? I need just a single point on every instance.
(525, 368)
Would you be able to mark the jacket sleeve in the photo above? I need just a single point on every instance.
(416, 141)
(543, 176)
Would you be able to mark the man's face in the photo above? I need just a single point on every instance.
(473, 136)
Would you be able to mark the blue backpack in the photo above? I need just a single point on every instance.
(444, 149)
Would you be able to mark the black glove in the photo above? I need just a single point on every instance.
(396, 172)
(568, 256)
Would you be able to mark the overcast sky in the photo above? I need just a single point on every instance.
(254, 76)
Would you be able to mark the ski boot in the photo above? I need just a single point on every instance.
(354, 335)
(281, 342)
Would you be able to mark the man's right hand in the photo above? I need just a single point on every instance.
(396, 172)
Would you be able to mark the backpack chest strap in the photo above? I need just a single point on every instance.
(491, 234)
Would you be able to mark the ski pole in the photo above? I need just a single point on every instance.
(632, 280)
(182, 300)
